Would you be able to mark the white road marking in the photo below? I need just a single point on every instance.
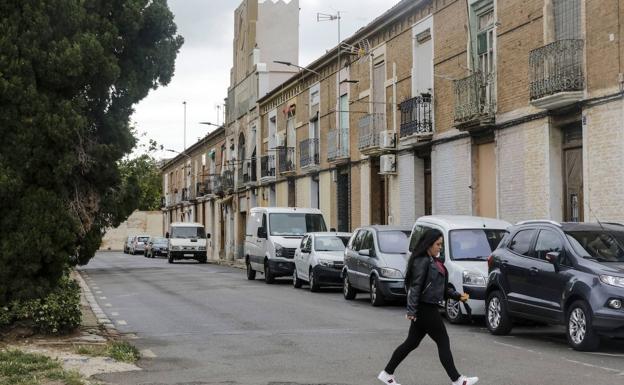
(102, 297)
(114, 314)
(515, 347)
(98, 292)
(606, 354)
(108, 305)
(618, 371)
(121, 322)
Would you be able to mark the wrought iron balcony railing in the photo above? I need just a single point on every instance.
(185, 194)
(474, 98)
(556, 67)
(337, 145)
(267, 166)
(286, 157)
(309, 153)
(227, 180)
(217, 185)
(370, 127)
(416, 116)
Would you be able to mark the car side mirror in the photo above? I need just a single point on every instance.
(167, 234)
(553, 258)
(365, 252)
(207, 235)
(262, 232)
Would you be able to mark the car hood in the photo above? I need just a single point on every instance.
(287, 242)
(476, 266)
(394, 261)
(611, 267)
(336, 256)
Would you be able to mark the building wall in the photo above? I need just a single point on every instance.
(451, 177)
(365, 196)
(407, 189)
(138, 223)
(325, 184)
(603, 157)
(304, 191)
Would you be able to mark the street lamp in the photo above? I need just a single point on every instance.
(289, 64)
(210, 124)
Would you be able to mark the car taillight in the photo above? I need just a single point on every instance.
(490, 262)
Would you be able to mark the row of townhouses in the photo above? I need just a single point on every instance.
(510, 109)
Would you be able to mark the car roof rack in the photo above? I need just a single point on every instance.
(539, 221)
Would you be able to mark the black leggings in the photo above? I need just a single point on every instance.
(428, 321)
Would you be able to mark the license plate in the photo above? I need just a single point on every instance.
(188, 255)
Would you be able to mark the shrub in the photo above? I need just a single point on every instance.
(56, 313)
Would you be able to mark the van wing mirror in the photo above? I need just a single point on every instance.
(262, 232)
(207, 235)
(364, 252)
(167, 234)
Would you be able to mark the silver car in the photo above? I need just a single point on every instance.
(138, 244)
(319, 259)
(374, 261)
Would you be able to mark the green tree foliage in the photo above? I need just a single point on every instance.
(141, 179)
(70, 73)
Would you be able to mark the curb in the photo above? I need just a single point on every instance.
(102, 318)
(235, 263)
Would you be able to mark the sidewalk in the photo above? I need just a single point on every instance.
(237, 263)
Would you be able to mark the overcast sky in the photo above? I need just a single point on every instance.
(203, 64)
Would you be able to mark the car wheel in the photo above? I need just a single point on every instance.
(497, 317)
(314, 285)
(268, 275)
(579, 328)
(376, 296)
(453, 312)
(297, 283)
(170, 258)
(251, 273)
(347, 290)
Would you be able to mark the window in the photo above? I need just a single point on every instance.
(357, 240)
(296, 224)
(416, 235)
(474, 244)
(547, 241)
(330, 243)
(367, 241)
(393, 242)
(254, 221)
(567, 19)
(521, 242)
(600, 245)
(187, 232)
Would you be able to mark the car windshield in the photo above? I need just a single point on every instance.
(188, 232)
(330, 243)
(599, 245)
(159, 241)
(393, 242)
(474, 244)
(295, 224)
(142, 239)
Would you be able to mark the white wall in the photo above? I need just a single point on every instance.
(139, 222)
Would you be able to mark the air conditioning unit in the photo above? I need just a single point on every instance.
(387, 139)
(387, 164)
(280, 140)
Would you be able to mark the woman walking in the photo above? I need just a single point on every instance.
(426, 281)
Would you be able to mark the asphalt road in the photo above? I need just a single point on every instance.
(206, 324)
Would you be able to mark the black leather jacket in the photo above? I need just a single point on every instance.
(427, 284)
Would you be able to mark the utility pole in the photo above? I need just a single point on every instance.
(330, 17)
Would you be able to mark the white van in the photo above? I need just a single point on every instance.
(273, 234)
(187, 240)
(468, 242)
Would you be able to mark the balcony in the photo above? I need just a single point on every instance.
(309, 159)
(286, 158)
(416, 119)
(370, 128)
(338, 146)
(217, 186)
(267, 168)
(227, 181)
(556, 76)
(249, 172)
(475, 103)
(186, 196)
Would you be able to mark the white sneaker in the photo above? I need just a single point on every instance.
(463, 380)
(387, 378)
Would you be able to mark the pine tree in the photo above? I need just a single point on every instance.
(70, 73)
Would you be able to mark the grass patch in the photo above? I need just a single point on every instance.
(117, 350)
(19, 368)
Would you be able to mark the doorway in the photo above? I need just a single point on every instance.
(573, 173)
(343, 199)
(378, 194)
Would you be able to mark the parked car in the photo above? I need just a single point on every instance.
(128, 244)
(559, 273)
(374, 261)
(319, 260)
(273, 234)
(187, 240)
(156, 246)
(468, 242)
(138, 244)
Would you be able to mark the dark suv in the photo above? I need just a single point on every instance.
(559, 273)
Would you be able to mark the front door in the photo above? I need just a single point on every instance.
(342, 195)
(485, 180)
(573, 182)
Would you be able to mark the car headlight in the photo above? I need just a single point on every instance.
(173, 248)
(612, 280)
(279, 251)
(202, 248)
(326, 262)
(471, 278)
(390, 273)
